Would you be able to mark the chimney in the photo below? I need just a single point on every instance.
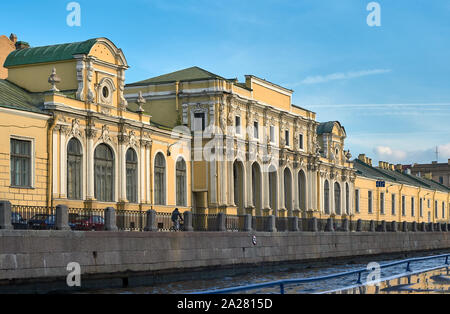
(391, 167)
(399, 167)
(22, 45)
(362, 157)
(429, 176)
(408, 171)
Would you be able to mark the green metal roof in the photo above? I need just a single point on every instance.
(49, 53)
(326, 127)
(14, 97)
(189, 74)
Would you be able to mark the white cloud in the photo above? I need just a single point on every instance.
(387, 153)
(341, 76)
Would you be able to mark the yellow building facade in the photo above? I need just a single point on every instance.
(69, 138)
(73, 133)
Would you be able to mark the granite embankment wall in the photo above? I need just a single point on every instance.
(46, 254)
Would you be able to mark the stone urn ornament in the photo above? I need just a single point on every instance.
(53, 80)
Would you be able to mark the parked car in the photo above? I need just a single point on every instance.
(90, 223)
(18, 222)
(73, 221)
(42, 222)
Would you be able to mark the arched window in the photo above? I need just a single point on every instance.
(160, 179)
(287, 189)
(132, 178)
(104, 173)
(74, 170)
(337, 198)
(326, 197)
(181, 182)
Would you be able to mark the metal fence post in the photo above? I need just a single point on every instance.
(221, 222)
(110, 219)
(62, 217)
(187, 216)
(5, 215)
(271, 224)
(151, 221)
(431, 227)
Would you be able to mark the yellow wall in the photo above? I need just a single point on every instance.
(34, 78)
(31, 128)
(271, 97)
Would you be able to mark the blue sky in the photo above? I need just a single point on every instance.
(389, 86)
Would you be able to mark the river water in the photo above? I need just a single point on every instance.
(291, 271)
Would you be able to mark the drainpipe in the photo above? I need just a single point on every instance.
(51, 126)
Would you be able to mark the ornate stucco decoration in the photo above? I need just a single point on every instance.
(283, 158)
(141, 102)
(133, 140)
(53, 80)
(223, 118)
(75, 130)
(105, 137)
(123, 104)
(348, 155)
(81, 66)
(105, 91)
(90, 74)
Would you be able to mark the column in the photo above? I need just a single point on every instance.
(90, 173)
(55, 145)
(63, 162)
(122, 196)
(295, 191)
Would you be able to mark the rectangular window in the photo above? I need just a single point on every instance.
(429, 204)
(403, 205)
(357, 201)
(238, 125)
(441, 180)
(443, 210)
(421, 207)
(286, 137)
(436, 210)
(199, 121)
(382, 203)
(255, 130)
(370, 202)
(300, 141)
(272, 134)
(393, 204)
(20, 163)
(413, 210)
